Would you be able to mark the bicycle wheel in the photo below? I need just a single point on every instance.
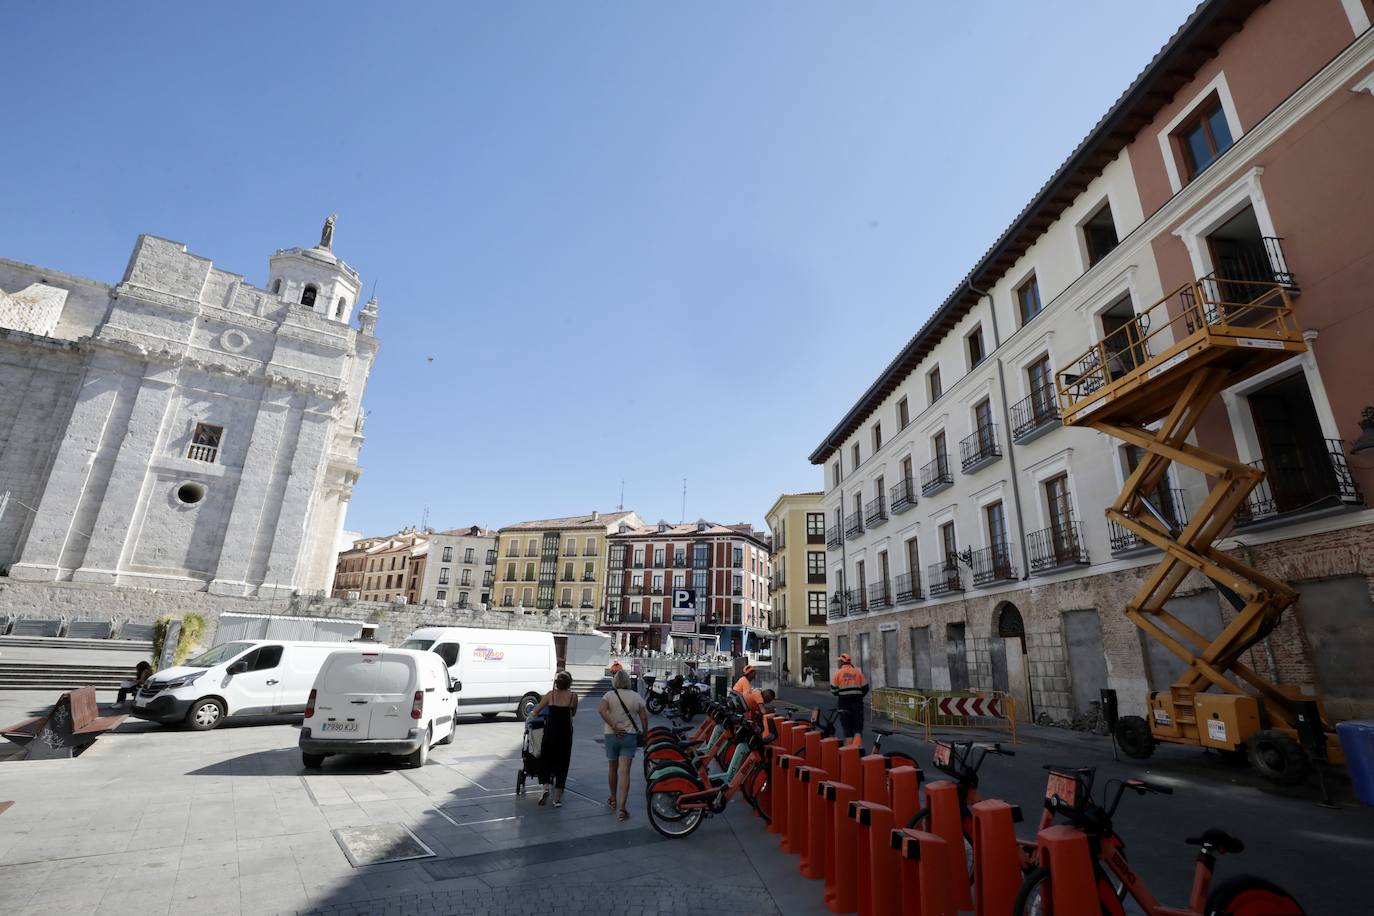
(1035, 898)
(1246, 895)
(754, 788)
(921, 821)
(670, 820)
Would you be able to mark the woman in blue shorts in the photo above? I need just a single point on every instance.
(619, 708)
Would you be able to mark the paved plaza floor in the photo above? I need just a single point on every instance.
(153, 820)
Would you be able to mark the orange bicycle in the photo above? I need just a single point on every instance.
(1069, 796)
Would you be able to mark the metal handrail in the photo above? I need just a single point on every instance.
(980, 445)
(1034, 411)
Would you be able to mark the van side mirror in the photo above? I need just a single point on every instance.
(239, 667)
(454, 686)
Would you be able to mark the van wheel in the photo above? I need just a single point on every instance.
(452, 732)
(205, 715)
(526, 707)
(417, 757)
(490, 715)
(312, 761)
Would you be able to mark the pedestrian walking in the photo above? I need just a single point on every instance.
(619, 709)
(850, 687)
(559, 706)
(808, 679)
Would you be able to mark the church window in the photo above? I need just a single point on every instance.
(205, 442)
(308, 295)
(276, 285)
(190, 493)
(341, 308)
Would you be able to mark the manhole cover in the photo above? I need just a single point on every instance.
(378, 843)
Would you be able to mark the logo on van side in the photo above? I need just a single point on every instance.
(485, 654)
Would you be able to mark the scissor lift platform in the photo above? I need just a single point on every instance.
(1161, 369)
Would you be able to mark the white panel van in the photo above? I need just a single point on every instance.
(373, 700)
(497, 670)
(248, 677)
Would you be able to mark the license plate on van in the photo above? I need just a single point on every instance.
(339, 727)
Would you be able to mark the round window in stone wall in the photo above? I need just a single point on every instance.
(234, 340)
(188, 494)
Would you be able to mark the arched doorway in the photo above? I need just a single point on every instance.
(1010, 668)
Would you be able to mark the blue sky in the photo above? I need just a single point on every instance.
(639, 241)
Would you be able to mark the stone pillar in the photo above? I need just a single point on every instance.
(291, 539)
(129, 476)
(262, 464)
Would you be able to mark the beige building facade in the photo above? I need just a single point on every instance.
(555, 562)
(801, 640)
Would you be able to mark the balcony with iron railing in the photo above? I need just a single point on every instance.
(588, 577)
(902, 495)
(635, 590)
(833, 536)
(908, 587)
(1056, 547)
(858, 602)
(1300, 480)
(853, 525)
(943, 578)
(508, 601)
(935, 476)
(980, 449)
(839, 608)
(491, 558)
(1035, 415)
(1168, 503)
(993, 564)
(879, 596)
(875, 512)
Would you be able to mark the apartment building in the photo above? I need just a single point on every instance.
(966, 537)
(796, 523)
(350, 569)
(460, 567)
(555, 562)
(393, 567)
(727, 566)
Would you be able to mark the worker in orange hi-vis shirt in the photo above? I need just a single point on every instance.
(746, 680)
(850, 687)
(755, 703)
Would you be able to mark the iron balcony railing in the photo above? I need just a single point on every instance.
(838, 608)
(908, 587)
(875, 513)
(565, 604)
(935, 476)
(508, 601)
(778, 580)
(879, 595)
(903, 495)
(858, 602)
(737, 591)
(1038, 411)
(588, 578)
(635, 590)
(993, 564)
(1056, 547)
(943, 578)
(589, 552)
(638, 564)
(979, 448)
(1299, 479)
(853, 525)
(833, 537)
(491, 558)
(1168, 502)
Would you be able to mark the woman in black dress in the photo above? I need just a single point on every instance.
(555, 752)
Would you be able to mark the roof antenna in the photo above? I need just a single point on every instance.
(621, 507)
(683, 520)
(374, 288)
(424, 520)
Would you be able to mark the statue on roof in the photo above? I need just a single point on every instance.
(327, 233)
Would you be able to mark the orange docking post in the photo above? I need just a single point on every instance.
(1073, 888)
(925, 873)
(996, 857)
(947, 822)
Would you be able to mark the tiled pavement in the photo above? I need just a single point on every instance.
(152, 820)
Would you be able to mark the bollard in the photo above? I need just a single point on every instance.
(863, 855)
(840, 892)
(880, 890)
(813, 748)
(1073, 887)
(811, 846)
(924, 865)
(996, 857)
(904, 789)
(851, 767)
(782, 807)
(794, 840)
(874, 778)
(830, 756)
(947, 822)
(777, 781)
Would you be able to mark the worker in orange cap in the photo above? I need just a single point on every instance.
(756, 702)
(850, 687)
(746, 680)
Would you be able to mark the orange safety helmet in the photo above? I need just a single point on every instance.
(845, 659)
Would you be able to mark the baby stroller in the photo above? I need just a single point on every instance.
(529, 753)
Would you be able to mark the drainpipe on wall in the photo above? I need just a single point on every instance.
(1006, 425)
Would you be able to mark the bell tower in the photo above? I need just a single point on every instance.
(315, 279)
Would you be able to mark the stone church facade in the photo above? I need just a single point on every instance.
(181, 429)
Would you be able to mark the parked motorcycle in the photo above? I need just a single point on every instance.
(680, 699)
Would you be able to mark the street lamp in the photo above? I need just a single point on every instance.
(1366, 440)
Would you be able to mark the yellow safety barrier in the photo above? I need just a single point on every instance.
(941, 709)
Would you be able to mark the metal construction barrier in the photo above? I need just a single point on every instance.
(941, 709)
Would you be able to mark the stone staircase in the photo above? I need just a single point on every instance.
(588, 689)
(48, 663)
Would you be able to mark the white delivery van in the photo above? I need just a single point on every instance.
(374, 700)
(249, 677)
(497, 670)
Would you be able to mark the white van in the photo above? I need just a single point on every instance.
(248, 677)
(378, 701)
(497, 670)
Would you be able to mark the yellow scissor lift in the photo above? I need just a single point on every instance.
(1147, 384)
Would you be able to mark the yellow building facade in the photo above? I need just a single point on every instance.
(555, 562)
(797, 523)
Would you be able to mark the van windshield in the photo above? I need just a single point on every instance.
(420, 644)
(218, 654)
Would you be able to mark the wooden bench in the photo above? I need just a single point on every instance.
(71, 726)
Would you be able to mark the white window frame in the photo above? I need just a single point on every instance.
(1245, 191)
(1218, 85)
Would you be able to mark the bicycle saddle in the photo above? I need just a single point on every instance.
(1219, 839)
